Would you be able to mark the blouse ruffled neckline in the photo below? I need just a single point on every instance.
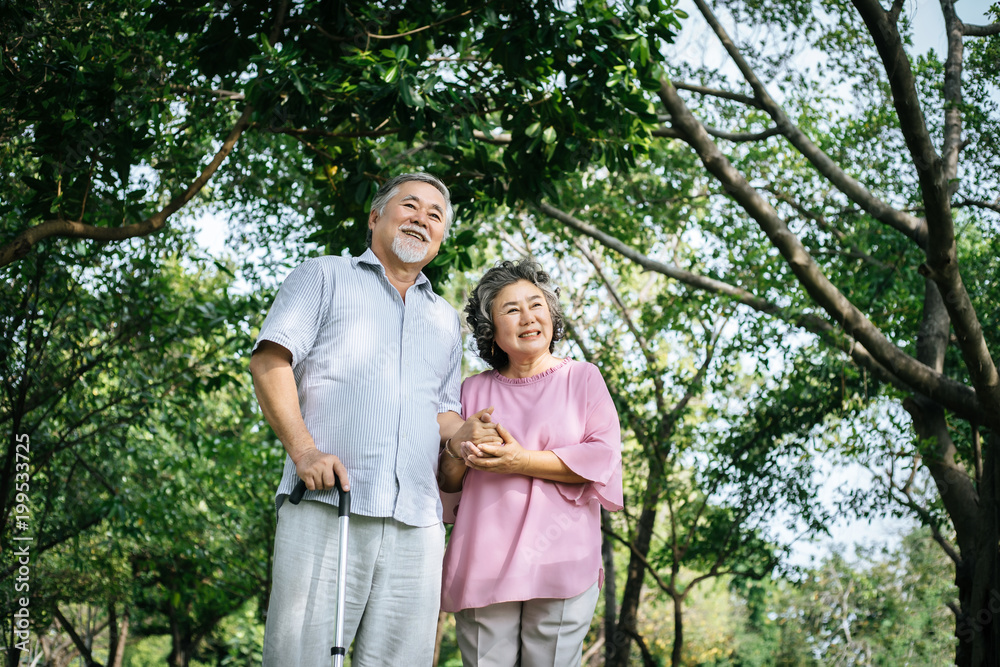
(531, 378)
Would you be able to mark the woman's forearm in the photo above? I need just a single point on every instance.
(451, 471)
(548, 465)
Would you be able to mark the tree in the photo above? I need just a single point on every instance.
(886, 606)
(858, 237)
(128, 110)
(122, 376)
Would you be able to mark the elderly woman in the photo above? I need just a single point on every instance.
(523, 566)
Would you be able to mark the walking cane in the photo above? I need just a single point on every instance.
(338, 651)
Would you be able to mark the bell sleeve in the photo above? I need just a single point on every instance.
(598, 457)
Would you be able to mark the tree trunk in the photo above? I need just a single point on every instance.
(119, 655)
(675, 652)
(972, 511)
(113, 637)
(180, 646)
(984, 597)
(610, 596)
(179, 656)
(619, 644)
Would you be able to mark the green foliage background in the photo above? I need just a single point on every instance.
(125, 345)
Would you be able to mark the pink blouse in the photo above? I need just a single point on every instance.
(518, 537)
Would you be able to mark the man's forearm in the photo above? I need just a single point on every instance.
(274, 384)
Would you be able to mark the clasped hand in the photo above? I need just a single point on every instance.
(488, 446)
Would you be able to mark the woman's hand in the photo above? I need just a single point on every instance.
(507, 458)
(513, 459)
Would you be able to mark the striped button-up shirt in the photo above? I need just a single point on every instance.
(373, 372)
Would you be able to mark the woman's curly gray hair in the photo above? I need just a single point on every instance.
(479, 309)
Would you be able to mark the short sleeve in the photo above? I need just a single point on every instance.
(598, 457)
(451, 385)
(298, 310)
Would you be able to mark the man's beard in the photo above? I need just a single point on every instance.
(408, 249)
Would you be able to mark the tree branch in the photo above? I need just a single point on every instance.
(957, 492)
(715, 92)
(222, 94)
(691, 389)
(993, 206)
(647, 658)
(722, 134)
(496, 139)
(664, 586)
(981, 30)
(808, 321)
(60, 227)
(627, 317)
(852, 248)
(912, 227)
(426, 27)
(956, 396)
(296, 132)
(935, 186)
(928, 521)
(952, 93)
(81, 646)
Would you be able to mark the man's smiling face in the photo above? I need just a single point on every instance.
(411, 226)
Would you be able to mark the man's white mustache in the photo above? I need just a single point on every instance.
(416, 230)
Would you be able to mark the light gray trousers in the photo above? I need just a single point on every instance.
(543, 632)
(393, 589)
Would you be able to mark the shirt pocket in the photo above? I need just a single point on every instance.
(437, 354)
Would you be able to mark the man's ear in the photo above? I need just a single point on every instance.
(372, 217)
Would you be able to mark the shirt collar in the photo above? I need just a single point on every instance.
(370, 258)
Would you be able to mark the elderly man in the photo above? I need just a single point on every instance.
(355, 365)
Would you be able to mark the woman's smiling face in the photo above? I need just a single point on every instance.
(522, 322)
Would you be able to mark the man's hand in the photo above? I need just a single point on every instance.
(478, 429)
(320, 471)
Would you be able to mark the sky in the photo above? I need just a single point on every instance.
(929, 26)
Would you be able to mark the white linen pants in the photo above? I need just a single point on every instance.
(543, 632)
(393, 589)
